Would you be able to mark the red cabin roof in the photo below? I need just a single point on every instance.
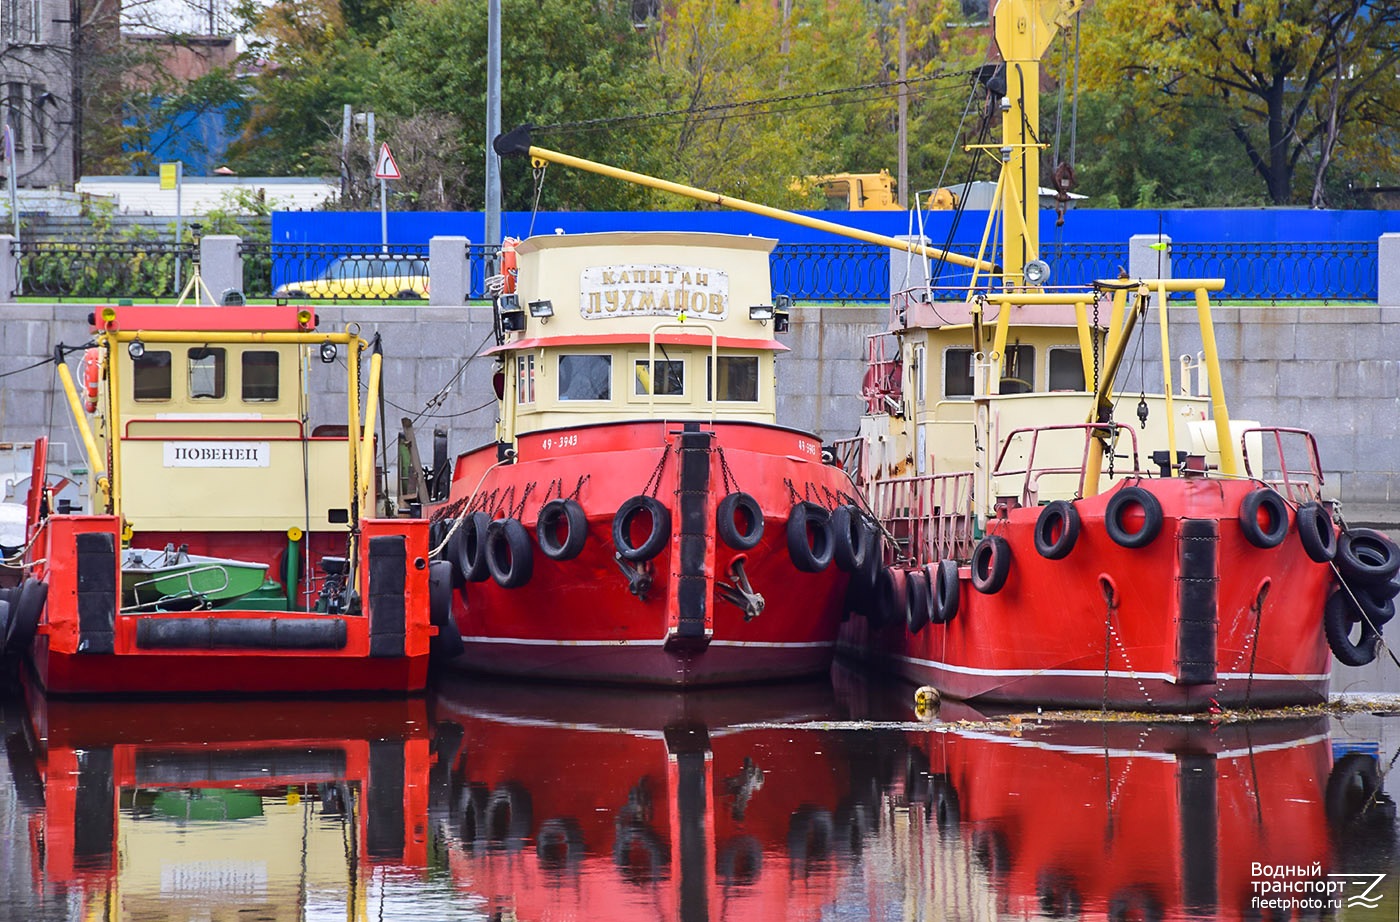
(267, 318)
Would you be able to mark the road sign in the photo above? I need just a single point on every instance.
(386, 168)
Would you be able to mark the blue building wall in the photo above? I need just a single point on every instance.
(1268, 225)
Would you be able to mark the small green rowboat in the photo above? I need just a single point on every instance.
(178, 579)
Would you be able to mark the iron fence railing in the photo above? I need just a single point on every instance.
(346, 272)
(90, 269)
(1345, 270)
(807, 272)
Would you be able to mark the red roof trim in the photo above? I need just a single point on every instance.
(617, 339)
(261, 318)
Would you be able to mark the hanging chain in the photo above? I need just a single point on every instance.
(539, 168)
(654, 481)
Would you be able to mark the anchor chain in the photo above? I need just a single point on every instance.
(738, 592)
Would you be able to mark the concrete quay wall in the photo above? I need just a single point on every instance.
(1332, 370)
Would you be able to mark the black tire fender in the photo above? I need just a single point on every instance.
(655, 540)
(991, 564)
(916, 600)
(1120, 504)
(809, 540)
(447, 644)
(1264, 518)
(1367, 556)
(509, 555)
(467, 548)
(1337, 621)
(561, 529)
(851, 537)
(26, 609)
(890, 595)
(1316, 532)
(943, 591)
(1056, 529)
(739, 521)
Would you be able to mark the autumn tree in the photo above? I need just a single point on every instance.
(1297, 86)
(563, 63)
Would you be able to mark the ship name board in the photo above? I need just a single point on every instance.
(218, 454)
(653, 291)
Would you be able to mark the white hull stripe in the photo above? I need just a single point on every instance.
(1132, 753)
(540, 642)
(1100, 673)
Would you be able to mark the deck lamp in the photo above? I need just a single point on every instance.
(781, 319)
(328, 352)
(761, 312)
(542, 310)
(1036, 271)
(512, 317)
(136, 349)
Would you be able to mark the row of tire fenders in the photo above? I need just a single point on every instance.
(1366, 563)
(485, 548)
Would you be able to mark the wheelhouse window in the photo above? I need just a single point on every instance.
(525, 378)
(207, 369)
(738, 379)
(666, 377)
(1066, 369)
(585, 377)
(259, 377)
(957, 373)
(1017, 371)
(150, 376)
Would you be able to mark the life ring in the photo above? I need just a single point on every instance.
(890, 596)
(655, 540)
(1316, 532)
(809, 539)
(1367, 556)
(92, 373)
(467, 548)
(991, 563)
(1123, 502)
(26, 607)
(1264, 518)
(447, 643)
(1337, 620)
(1056, 529)
(509, 271)
(566, 516)
(943, 589)
(739, 521)
(509, 556)
(916, 600)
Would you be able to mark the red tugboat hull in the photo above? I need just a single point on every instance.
(1124, 627)
(184, 652)
(667, 622)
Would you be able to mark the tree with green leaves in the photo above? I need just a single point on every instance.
(1299, 87)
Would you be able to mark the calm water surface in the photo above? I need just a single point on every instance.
(489, 801)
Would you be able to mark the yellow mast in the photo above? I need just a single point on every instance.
(1024, 29)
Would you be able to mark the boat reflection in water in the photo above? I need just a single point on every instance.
(770, 803)
(493, 801)
(218, 810)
